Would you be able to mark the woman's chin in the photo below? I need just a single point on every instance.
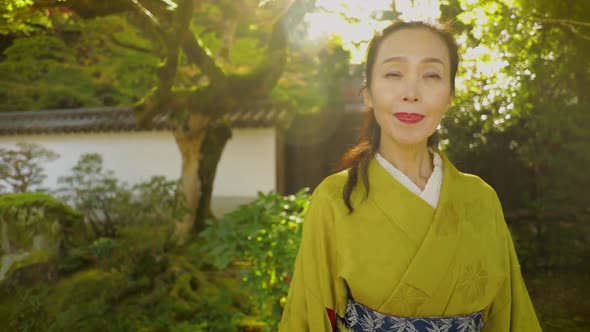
(401, 135)
(410, 141)
(415, 143)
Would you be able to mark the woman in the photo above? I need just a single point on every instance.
(401, 240)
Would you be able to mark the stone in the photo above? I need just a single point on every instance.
(35, 229)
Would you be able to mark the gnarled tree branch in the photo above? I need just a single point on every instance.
(266, 75)
(197, 53)
(561, 21)
(176, 35)
(162, 94)
(129, 46)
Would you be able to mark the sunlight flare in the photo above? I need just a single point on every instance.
(355, 21)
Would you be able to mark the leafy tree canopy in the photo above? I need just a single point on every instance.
(523, 94)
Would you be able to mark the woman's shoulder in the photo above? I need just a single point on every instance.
(332, 186)
(474, 182)
(327, 197)
(474, 188)
(463, 181)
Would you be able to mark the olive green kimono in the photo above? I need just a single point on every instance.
(398, 255)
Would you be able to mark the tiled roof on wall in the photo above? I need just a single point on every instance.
(113, 119)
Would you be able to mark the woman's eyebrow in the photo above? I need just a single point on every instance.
(405, 59)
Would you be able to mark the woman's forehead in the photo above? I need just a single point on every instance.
(413, 44)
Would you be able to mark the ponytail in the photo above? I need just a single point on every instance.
(358, 157)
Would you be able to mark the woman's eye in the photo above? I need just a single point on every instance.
(393, 75)
(432, 75)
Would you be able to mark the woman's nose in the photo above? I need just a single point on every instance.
(411, 99)
(411, 94)
(411, 91)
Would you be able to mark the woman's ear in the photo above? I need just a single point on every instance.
(367, 99)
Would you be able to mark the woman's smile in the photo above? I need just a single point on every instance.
(409, 118)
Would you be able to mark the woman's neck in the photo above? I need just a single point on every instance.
(414, 161)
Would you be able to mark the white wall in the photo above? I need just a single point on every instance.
(247, 164)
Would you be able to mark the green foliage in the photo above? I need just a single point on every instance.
(16, 16)
(119, 56)
(82, 65)
(48, 61)
(21, 168)
(137, 250)
(108, 202)
(168, 287)
(97, 253)
(97, 193)
(521, 99)
(28, 313)
(262, 238)
(157, 200)
(315, 78)
(553, 245)
(134, 285)
(82, 302)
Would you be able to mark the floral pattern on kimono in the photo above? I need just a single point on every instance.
(360, 318)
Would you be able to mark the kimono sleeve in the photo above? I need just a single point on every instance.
(512, 310)
(310, 302)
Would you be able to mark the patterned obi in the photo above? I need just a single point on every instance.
(360, 318)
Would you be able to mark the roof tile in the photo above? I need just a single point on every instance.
(258, 115)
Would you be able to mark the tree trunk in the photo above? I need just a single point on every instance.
(189, 140)
(213, 145)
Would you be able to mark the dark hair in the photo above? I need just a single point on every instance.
(358, 157)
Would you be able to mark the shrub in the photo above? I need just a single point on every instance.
(109, 203)
(552, 244)
(262, 238)
(28, 313)
(95, 192)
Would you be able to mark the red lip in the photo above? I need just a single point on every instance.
(409, 118)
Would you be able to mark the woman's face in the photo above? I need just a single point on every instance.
(410, 88)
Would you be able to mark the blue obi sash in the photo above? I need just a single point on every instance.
(360, 318)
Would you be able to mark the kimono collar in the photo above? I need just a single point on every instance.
(435, 232)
